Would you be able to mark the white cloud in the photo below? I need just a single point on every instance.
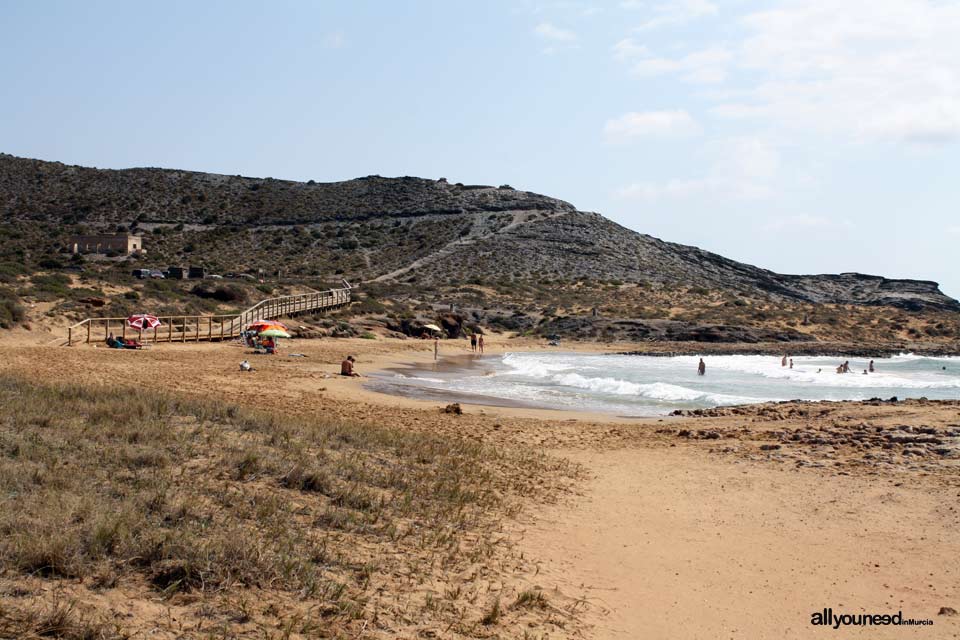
(671, 13)
(650, 124)
(801, 223)
(864, 70)
(553, 33)
(706, 66)
(628, 49)
(884, 69)
(556, 37)
(954, 230)
(585, 9)
(743, 168)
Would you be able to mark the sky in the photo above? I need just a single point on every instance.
(799, 136)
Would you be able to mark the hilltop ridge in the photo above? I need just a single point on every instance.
(403, 229)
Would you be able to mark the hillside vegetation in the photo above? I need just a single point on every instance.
(498, 252)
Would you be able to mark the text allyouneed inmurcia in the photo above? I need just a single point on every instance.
(827, 618)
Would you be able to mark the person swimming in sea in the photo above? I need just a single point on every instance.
(870, 367)
(702, 368)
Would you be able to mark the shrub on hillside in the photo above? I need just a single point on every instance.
(10, 270)
(226, 293)
(12, 312)
(50, 286)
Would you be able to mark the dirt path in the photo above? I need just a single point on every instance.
(668, 543)
(520, 217)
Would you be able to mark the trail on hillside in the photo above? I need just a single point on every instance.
(519, 218)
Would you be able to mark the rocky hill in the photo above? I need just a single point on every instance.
(405, 230)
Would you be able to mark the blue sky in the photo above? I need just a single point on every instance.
(805, 137)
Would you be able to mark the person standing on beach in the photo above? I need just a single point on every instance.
(870, 368)
(480, 343)
(702, 368)
(473, 342)
(791, 363)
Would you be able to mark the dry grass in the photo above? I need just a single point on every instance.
(152, 494)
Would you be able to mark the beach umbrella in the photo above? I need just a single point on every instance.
(432, 327)
(260, 325)
(274, 333)
(143, 321)
(260, 328)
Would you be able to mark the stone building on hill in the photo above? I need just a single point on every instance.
(121, 243)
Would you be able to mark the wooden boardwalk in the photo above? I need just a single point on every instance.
(220, 327)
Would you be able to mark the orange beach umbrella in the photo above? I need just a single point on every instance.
(263, 325)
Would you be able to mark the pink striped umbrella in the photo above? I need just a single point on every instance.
(143, 321)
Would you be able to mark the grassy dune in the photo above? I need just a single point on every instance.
(249, 524)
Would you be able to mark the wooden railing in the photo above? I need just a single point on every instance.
(183, 328)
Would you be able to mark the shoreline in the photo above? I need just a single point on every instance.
(383, 382)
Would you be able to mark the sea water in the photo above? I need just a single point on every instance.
(648, 385)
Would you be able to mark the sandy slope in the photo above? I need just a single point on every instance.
(669, 544)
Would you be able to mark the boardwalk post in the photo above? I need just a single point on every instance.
(170, 331)
(69, 336)
(183, 334)
(88, 331)
(106, 328)
(210, 328)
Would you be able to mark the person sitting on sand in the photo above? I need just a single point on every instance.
(346, 368)
(701, 368)
(245, 366)
(270, 345)
(870, 368)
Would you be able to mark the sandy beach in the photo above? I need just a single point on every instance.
(731, 524)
